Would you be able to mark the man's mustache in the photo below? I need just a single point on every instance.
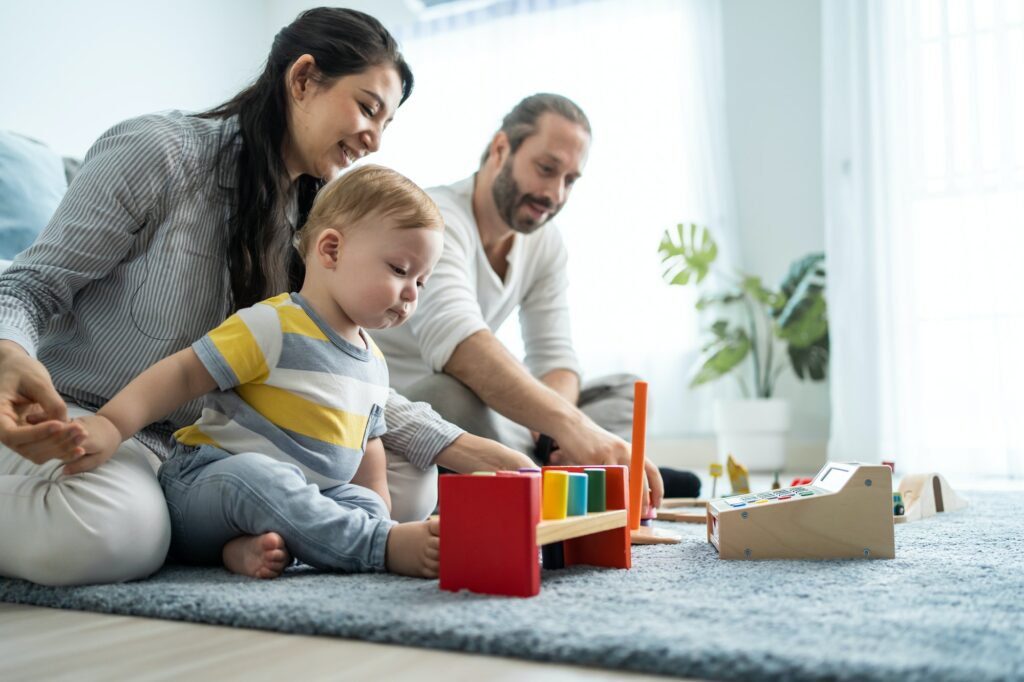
(540, 201)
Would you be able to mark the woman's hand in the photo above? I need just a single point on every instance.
(101, 441)
(33, 416)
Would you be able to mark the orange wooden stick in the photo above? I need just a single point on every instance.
(636, 464)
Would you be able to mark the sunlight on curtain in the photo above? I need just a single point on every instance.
(649, 77)
(938, 163)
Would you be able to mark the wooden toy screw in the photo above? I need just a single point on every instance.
(716, 471)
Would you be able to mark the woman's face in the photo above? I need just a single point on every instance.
(332, 125)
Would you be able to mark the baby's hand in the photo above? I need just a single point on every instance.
(101, 442)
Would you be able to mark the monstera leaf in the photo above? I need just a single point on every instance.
(689, 255)
(803, 321)
(705, 302)
(728, 349)
(812, 265)
(810, 361)
(796, 314)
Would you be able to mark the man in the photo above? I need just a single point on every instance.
(501, 254)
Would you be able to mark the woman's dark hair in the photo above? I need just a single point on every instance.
(261, 259)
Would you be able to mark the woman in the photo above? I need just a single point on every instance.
(174, 222)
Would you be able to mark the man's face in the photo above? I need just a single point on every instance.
(534, 183)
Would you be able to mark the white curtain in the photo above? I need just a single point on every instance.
(924, 163)
(649, 76)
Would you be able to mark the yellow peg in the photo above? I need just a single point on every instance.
(716, 471)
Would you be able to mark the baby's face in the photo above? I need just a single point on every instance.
(382, 268)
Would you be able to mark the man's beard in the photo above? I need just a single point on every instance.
(507, 198)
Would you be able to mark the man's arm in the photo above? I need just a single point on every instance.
(565, 383)
(485, 365)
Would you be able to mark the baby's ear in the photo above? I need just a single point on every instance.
(328, 247)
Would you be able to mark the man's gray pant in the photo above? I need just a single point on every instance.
(607, 400)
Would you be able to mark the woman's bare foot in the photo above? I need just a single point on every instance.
(257, 556)
(415, 549)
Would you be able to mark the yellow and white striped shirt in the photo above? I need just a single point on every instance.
(291, 388)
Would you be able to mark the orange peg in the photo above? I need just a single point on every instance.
(636, 465)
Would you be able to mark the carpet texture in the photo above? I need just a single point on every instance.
(949, 607)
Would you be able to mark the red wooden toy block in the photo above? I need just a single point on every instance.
(489, 532)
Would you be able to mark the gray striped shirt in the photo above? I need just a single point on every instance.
(133, 267)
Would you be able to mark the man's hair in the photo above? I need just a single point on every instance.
(360, 192)
(521, 122)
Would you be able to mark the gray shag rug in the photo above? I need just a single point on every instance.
(949, 607)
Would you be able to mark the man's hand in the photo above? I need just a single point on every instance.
(33, 417)
(101, 441)
(654, 482)
(588, 443)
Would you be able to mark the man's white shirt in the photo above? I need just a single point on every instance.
(464, 295)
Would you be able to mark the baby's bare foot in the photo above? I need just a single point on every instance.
(415, 549)
(257, 556)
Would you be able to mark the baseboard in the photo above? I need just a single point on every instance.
(696, 453)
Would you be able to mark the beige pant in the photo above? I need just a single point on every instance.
(111, 524)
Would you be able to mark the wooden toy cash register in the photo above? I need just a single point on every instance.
(844, 512)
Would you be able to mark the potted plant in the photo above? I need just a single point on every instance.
(747, 340)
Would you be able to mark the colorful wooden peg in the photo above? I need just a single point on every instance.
(556, 494)
(577, 502)
(636, 464)
(595, 490)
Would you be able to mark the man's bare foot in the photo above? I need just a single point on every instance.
(415, 549)
(257, 556)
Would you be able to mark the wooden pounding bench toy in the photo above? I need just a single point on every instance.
(492, 525)
(844, 512)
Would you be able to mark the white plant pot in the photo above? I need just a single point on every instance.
(753, 432)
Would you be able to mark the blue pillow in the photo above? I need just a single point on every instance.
(32, 182)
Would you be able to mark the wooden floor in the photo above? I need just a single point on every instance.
(52, 644)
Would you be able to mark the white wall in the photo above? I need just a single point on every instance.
(773, 91)
(71, 69)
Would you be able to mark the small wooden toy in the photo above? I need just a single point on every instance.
(775, 483)
(897, 506)
(715, 471)
(737, 476)
(844, 512)
(926, 495)
(683, 509)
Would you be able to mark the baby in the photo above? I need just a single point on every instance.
(286, 459)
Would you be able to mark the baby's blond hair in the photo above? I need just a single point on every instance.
(361, 192)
